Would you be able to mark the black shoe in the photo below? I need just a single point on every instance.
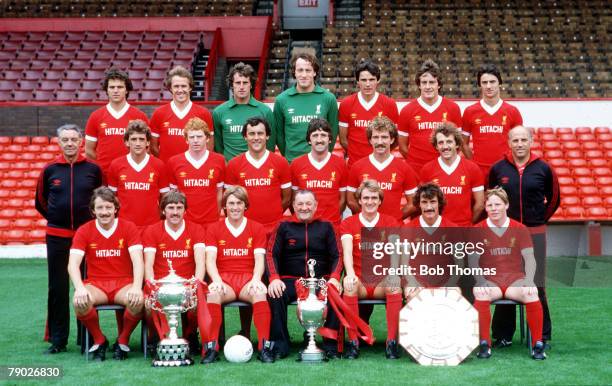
(332, 354)
(351, 351)
(99, 353)
(502, 343)
(194, 344)
(391, 350)
(210, 355)
(267, 355)
(538, 353)
(485, 350)
(54, 349)
(119, 352)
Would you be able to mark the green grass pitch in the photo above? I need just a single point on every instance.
(581, 353)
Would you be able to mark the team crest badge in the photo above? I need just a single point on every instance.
(211, 174)
(436, 181)
(444, 116)
(152, 177)
(318, 109)
(462, 180)
(393, 176)
(380, 113)
(333, 176)
(304, 176)
(512, 242)
(120, 243)
(123, 177)
(250, 242)
(486, 242)
(188, 244)
(270, 173)
(221, 242)
(503, 120)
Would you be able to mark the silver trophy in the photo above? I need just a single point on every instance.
(175, 295)
(311, 313)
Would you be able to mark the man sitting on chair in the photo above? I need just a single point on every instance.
(113, 257)
(507, 246)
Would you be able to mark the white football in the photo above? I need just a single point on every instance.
(238, 349)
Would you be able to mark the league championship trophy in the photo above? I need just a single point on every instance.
(311, 313)
(175, 295)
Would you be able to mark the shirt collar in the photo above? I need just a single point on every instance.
(197, 163)
(430, 108)
(380, 165)
(107, 233)
(318, 165)
(138, 166)
(236, 231)
(117, 114)
(175, 235)
(181, 114)
(369, 224)
(491, 109)
(257, 163)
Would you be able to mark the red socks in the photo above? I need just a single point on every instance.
(261, 317)
(129, 324)
(394, 305)
(216, 315)
(92, 323)
(484, 319)
(161, 324)
(535, 320)
(353, 303)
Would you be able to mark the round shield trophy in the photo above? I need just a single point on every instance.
(173, 295)
(438, 327)
(311, 313)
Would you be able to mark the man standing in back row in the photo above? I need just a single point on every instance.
(488, 121)
(296, 106)
(169, 120)
(231, 115)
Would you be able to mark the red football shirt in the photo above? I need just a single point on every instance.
(418, 120)
(355, 114)
(199, 181)
(236, 247)
(503, 249)
(395, 177)
(175, 246)
(106, 127)
(350, 228)
(488, 128)
(106, 253)
(326, 179)
(419, 231)
(168, 122)
(138, 187)
(263, 181)
(457, 182)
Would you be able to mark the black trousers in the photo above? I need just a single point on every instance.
(504, 317)
(279, 333)
(58, 302)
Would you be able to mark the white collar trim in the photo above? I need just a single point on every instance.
(107, 233)
(196, 163)
(430, 108)
(175, 235)
(117, 114)
(138, 166)
(430, 228)
(257, 163)
(236, 231)
(318, 165)
(180, 114)
(449, 169)
(367, 105)
(369, 224)
(380, 165)
(491, 109)
(499, 231)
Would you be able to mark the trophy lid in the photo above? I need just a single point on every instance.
(172, 277)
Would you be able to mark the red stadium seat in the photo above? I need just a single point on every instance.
(5, 165)
(52, 147)
(22, 193)
(590, 145)
(594, 154)
(609, 154)
(149, 95)
(592, 201)
(586, 137)
(606, 190)
(545, 130)
(570, 201)
(14, 174)
(581, 172)
(5, 140)
(567, 137)
(21, 140)
(599, 162)
(551, 145)
(32, 173)
(40, 223)
(14, 148)
(604, 181)
(585, 181)
(22, 96)
(8, 156)
(547, 137)
(566, 180)
(8, 213)
(588, 190)
(156, 74)
(47, 156)
(86, 95)
(583, 130)
(574, 154)
(602, 171)
(597, 213)
(15, 237)
(5, 223)
(31, 183)
(36, 236)
(5, 193)
(568, 190)
(65, 96)
(94, 75)
(29, 213)
(21, 165)
(601, 130)
(43, 95)
(6, 96)
(70, 85)
(604, 137)
(606, 145)
(559, 215)
(40, 140)
(17, 203)
(608, 201)
(574, 212)
(552, 154)
(23, 223)
(565, 130)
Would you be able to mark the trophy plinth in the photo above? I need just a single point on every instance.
(312, 313)
(175, 295)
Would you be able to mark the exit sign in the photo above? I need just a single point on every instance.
(308, 3)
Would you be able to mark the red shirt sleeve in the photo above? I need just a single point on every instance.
(164, 183)
(260, 237)
(391, 110)
(353, 178)
(411, 181)
(211, 237)
(343, 174)
(455, 115)
(132, 234)
(230, 173)
(467, 121)
(111, 176)
(285, 173)
(476, 175)
(155, 123)
(343, 112)
(517, 118)
(170, 172)
(148, 241)
(78, 241)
